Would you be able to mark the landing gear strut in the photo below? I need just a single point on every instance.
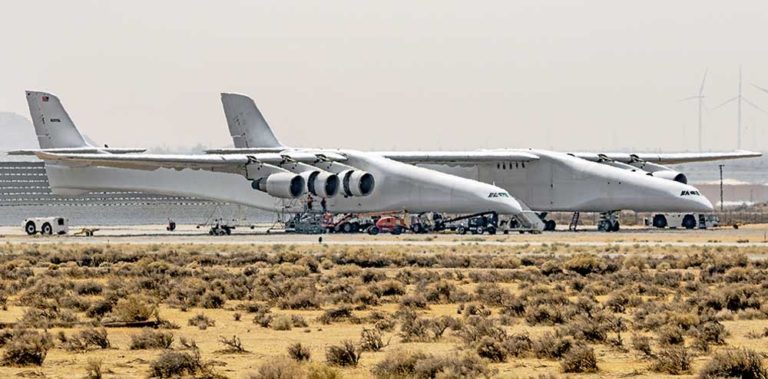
(609, 222)
(549, 225)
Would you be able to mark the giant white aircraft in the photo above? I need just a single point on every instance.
(546, 181)
(350, 181)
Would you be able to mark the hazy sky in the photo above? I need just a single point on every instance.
(395, 74)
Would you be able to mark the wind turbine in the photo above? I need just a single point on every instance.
(700, 98)
(740, 99)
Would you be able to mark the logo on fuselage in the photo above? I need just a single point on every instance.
(498, 194)
(690, 193)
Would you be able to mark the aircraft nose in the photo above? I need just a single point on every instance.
(506, 205)
(703, 204)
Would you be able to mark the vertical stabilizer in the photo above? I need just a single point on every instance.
(54, 128)
(247, 126)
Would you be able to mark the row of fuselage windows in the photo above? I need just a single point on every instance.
(509, 165)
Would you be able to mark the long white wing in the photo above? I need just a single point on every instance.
(458, 157)
(212, 162)
(668, 158)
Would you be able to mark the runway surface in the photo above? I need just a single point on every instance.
(751, 235)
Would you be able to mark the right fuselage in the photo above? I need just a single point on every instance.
(561, 182)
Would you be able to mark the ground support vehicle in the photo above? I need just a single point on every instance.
(46, 225)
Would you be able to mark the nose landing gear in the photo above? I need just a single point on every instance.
(609, 222)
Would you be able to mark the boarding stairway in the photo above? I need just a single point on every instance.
(529, 219)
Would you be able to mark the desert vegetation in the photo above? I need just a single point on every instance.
(321, 311)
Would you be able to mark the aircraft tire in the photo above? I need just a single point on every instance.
(30, 228)
(689, 222)
(550, 225)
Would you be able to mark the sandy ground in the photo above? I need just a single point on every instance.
(748, 235)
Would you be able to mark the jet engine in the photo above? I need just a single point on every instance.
(357, 183)
(322, 183)
(284, 185)
(663, 172)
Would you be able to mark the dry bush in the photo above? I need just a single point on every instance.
(87, 339)
(151, 339)
(232, 345)
(642, 344)
(344, 355)
(416, 301)
(282, 322)
(404, 364)
(299, 352)
(492, 350)
(518, 345)
(89, 288)
(673, 360)
(580, 358)
(322, 371)
(332, 315)
(551, 346)
(134, 308)
(279, 369)
(670, 335)
(305, 299)
(212, 300)
(477, 327)
(741, 363)
(175, 364)
(372, 340)
(94, 369)
(27, 348)
(201, 321)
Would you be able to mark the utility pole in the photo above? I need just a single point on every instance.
(721, 186)
(738, 139)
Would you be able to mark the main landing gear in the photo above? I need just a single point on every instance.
(549, 225)
(609, 222)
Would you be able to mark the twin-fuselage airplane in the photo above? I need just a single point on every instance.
(262, 173)
(350, 181)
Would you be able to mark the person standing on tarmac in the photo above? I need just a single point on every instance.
(309, 202)
(324, 204)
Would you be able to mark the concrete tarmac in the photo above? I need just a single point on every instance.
(750, 235)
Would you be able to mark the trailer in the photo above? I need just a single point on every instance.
(46, 225)
(683, 220)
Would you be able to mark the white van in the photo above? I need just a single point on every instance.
(46, 225)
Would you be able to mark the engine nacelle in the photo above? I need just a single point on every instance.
(662, 172)
(357, 183)
(284, 185)
(670, 175)
(322, 183)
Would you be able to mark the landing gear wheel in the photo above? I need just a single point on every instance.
(550, 225)
(660, 221)
(689, 222)
(30, 228)
(46, 229)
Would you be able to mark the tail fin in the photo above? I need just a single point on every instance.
(247, 126)
(54, 128)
